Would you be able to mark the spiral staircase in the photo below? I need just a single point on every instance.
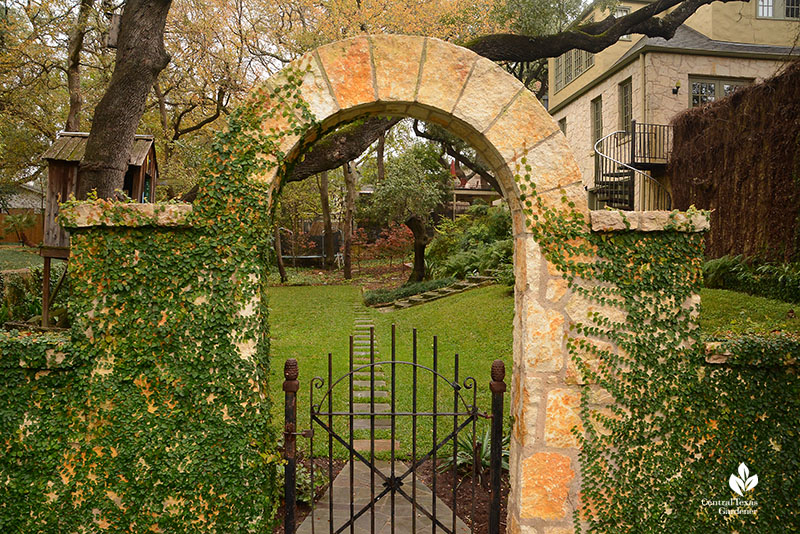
(628, 165)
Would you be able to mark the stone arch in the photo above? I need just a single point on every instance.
(472, 97)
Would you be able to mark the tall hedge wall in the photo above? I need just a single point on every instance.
(740, 157)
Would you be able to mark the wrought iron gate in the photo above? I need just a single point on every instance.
(394, 480)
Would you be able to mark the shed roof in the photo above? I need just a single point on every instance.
(70, 146)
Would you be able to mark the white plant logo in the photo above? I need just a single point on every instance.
(744, 482)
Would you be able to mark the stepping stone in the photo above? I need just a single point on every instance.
(364, 407)
(381, 445)
(365, 383)
(366, 394)
(402, 304)
(366, 374)
(380, 424)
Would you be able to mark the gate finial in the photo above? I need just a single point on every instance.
(290, 373)
(498, 375)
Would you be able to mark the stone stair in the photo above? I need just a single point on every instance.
(471, 282)
(361, 384)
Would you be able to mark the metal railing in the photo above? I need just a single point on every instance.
(650, 143)
(621, 159)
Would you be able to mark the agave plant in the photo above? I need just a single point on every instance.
(466, 456)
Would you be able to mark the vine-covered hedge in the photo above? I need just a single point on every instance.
(740, 157)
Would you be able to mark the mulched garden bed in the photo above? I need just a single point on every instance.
(483, 496)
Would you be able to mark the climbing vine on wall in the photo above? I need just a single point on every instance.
(165, 427)
(657, 454)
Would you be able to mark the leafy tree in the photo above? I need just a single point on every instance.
(414, 186)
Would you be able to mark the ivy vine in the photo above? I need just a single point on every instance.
(162, 421)
(658, 456)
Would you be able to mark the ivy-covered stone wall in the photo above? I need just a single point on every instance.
(38, 394)
(162, 423)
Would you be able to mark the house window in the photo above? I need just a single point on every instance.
(569, 65)
(625, 104)
(562, 123)
(778, 9)
(559, 64)
(597, 118)
(705, 90)
(619, 13)
(792, 9)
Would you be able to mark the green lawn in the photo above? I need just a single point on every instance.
(18, 257)
(307, 322)
(724, 313)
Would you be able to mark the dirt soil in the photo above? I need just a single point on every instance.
(483, 495)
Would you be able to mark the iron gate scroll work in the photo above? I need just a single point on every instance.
(394, 480)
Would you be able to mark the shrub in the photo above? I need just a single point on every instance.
(22, 293)
(779, 281)
(479, 241)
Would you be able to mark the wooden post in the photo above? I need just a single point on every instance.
(46, 292)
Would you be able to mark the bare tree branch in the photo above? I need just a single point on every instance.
(592, 37)
(334, 150)
(342, 146)
(451, 151)
(220, 104)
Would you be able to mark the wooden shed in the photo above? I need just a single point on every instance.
(63, 158)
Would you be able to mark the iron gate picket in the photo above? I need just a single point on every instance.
(464, 418)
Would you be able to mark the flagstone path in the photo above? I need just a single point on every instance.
(389, 515)
(406, 520)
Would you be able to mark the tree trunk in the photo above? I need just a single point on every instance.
(140, 57)
(279, 255)
(327, 238)
(420, 231)
(74, 48)
(349, 209)
(379, 156)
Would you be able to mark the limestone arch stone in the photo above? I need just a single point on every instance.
(472, 97)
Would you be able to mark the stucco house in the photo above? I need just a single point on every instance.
(621, 100)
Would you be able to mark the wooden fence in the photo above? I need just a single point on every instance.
(35, 233)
